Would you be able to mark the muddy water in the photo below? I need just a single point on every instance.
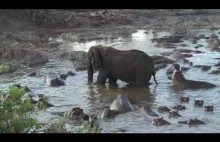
(94, 99)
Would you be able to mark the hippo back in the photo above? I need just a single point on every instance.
(121, 104)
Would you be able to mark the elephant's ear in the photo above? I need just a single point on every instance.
(97, 59)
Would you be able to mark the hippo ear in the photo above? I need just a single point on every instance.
(194, 100)
(212, 106)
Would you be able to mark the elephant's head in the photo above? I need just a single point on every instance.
(94, 63)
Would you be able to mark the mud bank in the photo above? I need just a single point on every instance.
(34, 29)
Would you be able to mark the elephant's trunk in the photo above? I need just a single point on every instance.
(90, 73)
(154, 78)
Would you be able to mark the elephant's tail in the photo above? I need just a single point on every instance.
(154, 78)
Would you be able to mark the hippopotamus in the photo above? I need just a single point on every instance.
(109, 113)
(146, 110)
(64, 76)
(162, 109)
(209, 108)
(53, 80)
(173, 114)
(160, 122)
(121, 104)
(184, 99)
(180, 81)
(198, 103)
(192, 122)
(179, 107)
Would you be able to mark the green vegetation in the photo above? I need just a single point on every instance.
(87, 128)
(3, 68)
(17, 116)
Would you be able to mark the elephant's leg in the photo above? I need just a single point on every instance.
(112, 80)
(102, 77)
(142, 79)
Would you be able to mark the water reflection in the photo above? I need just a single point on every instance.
(103, 95)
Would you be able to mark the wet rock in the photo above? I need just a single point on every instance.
(217, 65)
(183, 45)
(12, 67)
(199, 45)
(162, 109)
(74, 55)
(80, 66)
(182, 50)
(23, 55)
(201, 36)
(185, 68)
(166, 45)
(179, 107)
(79, 58)
(160, 122)
(32, 74)
(176, 56)
(160, 66)
(76, 114)
(209, 108)
(194, 40)
(215, 72)
(156, 57)
(213, 36)
(198, 103)
(197, 51)
(184, 99)
(203, 67)
(187, 55)
(164, 60)
(173, 114)
(166, 53)
(168, 39)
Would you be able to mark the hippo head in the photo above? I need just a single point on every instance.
(125, 103)
(177, 67)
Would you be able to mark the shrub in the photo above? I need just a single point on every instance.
(3, 68)
(16, 115)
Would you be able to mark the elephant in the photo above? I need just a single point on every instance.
(132, 66)
(121, 104)
(180, 81)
